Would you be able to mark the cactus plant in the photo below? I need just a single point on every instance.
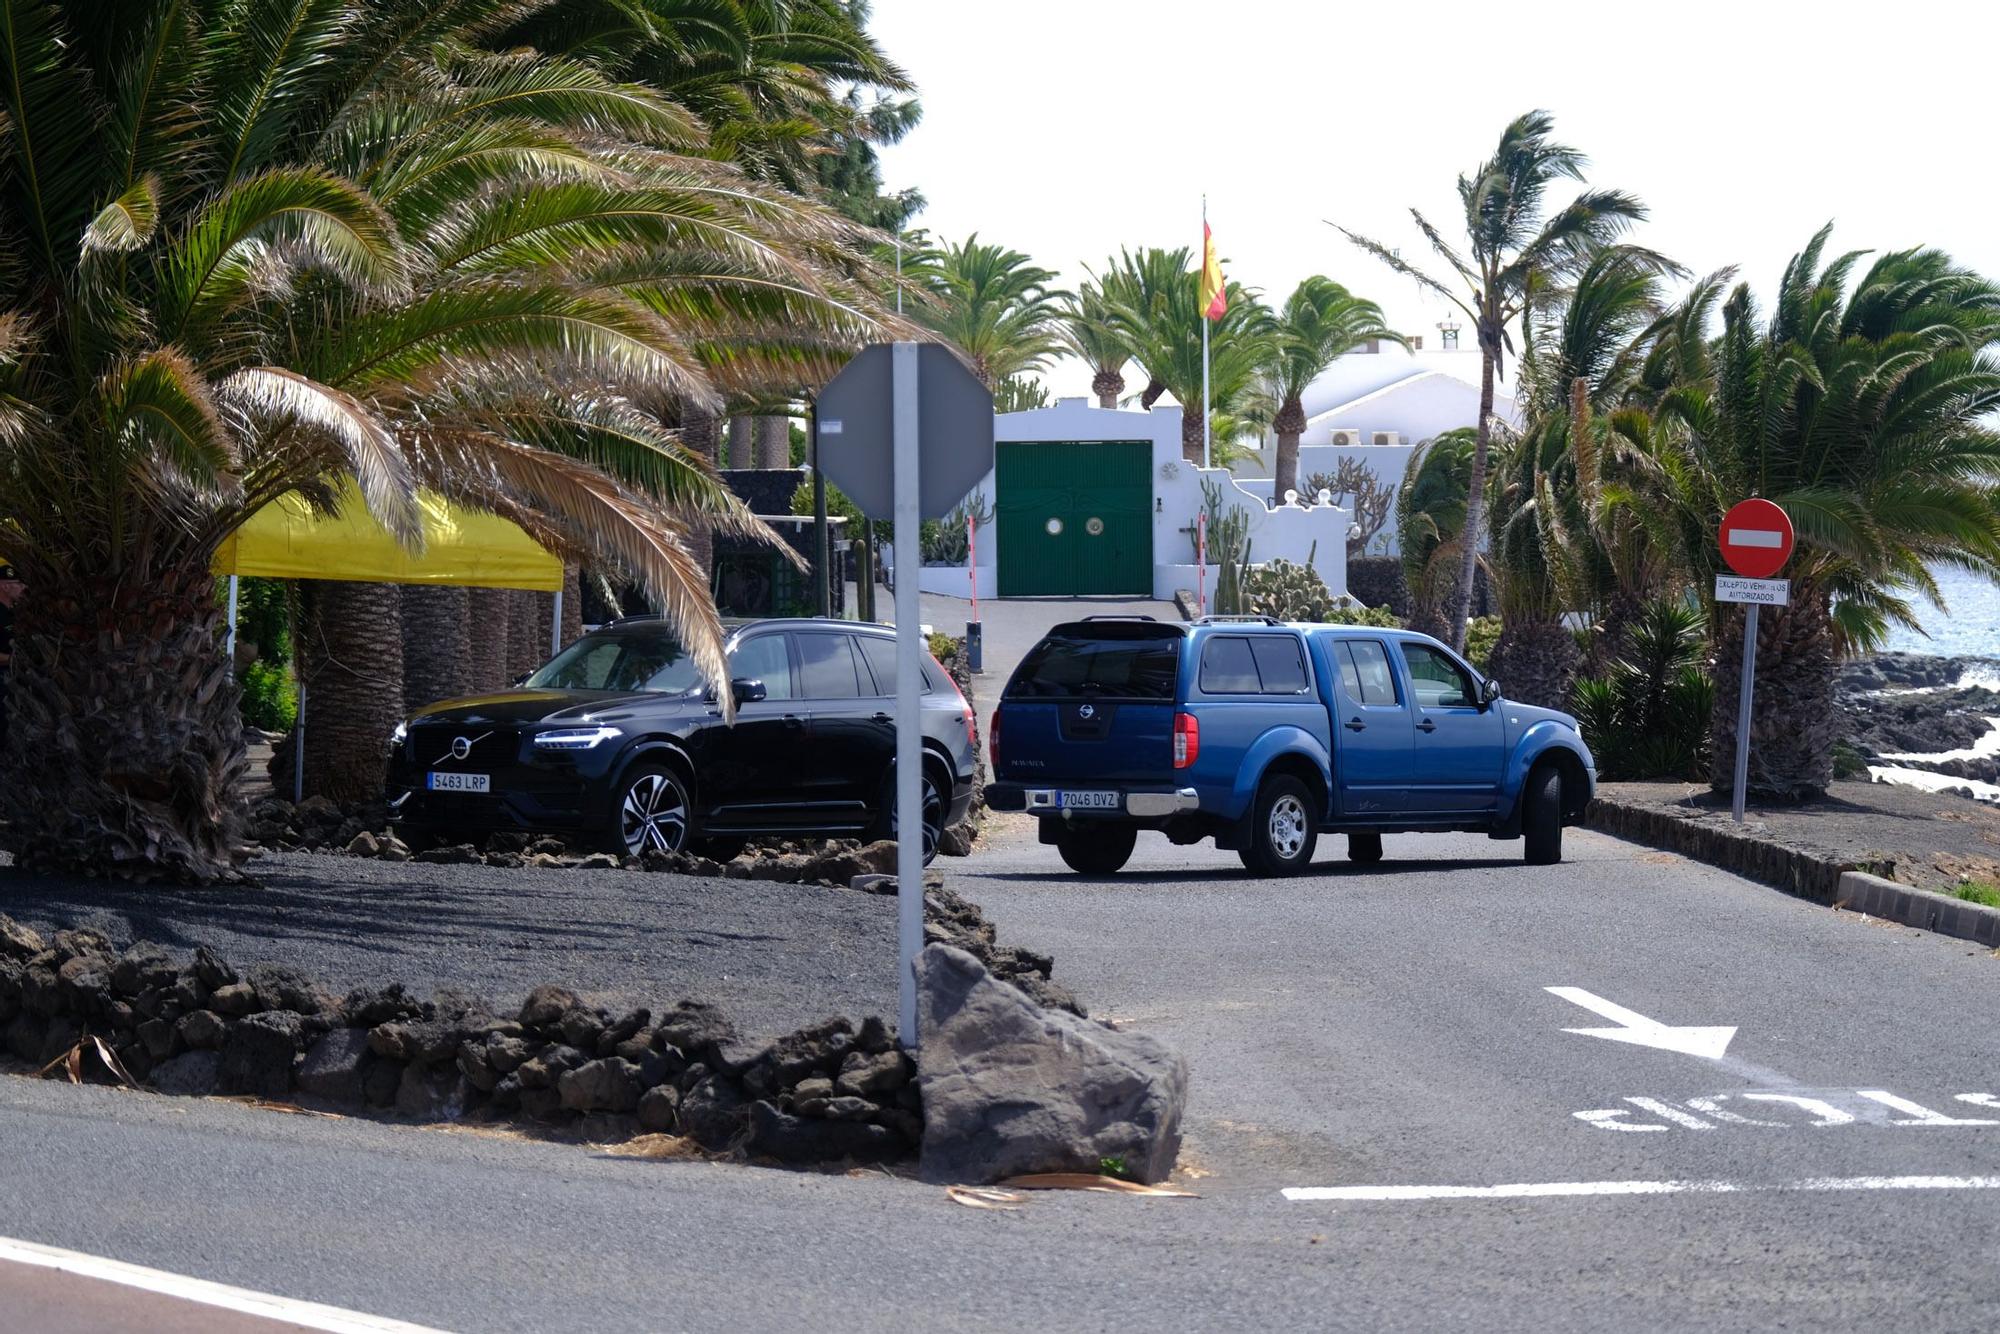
(1286, 590)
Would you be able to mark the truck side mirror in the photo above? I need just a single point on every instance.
(1489, 693)
(748, 692)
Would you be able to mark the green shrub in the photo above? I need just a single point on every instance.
(1648, 718)
(1481, 634)
(943, 646)
(1288, 591)
(270, 699)
(1355, 614)
(1977, 891)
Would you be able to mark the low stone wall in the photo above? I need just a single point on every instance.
(1796, 871)
(1862, 892)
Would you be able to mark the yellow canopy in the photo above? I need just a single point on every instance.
(285, 540)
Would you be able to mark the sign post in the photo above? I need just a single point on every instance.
(1756, 541)
(907, 431)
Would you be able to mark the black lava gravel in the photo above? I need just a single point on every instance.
(773, 957)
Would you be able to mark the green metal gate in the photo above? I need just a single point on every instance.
(1074, 517)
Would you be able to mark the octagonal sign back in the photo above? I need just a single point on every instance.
(954, 431)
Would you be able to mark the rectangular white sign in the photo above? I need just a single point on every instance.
(1764, 592)
(1756, 537)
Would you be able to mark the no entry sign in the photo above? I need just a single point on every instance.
(1756, 538)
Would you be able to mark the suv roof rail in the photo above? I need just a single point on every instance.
(1261, 620)
(1129, 616)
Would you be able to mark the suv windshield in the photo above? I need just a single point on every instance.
(1112, 662)
(649, 662)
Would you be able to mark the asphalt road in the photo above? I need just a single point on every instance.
(1353, 1031)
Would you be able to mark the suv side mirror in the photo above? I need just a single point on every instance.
(1489, 693)
(748, 692)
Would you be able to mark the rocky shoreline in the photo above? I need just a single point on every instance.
(1925, 713)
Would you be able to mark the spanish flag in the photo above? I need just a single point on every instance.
(1214, 297)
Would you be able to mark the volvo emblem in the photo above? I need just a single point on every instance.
(1086, 711)
(460, 748)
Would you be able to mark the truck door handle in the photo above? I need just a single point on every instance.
(1427, 726)
(881, 718)
(1355, 724)
(793, 722)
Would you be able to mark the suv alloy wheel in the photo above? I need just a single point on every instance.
(653, 811)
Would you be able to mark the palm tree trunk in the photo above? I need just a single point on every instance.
(1107, 385)
(572, 605)
(1475, 503)
(437, 644)
(1536, 662)
(1795, 718)
(1151, 394)
(1191, 422)
(701, 432)
(1285, 470)
(487, 618)
(525, 631)
(742, 434)
(774, 443)
(351, 662)
(124, 731)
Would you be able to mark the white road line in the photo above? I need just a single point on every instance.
(307, 1315)
(1546, 1189)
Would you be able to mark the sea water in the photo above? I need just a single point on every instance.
(1968, 625)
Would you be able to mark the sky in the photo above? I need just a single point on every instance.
(1067, 128)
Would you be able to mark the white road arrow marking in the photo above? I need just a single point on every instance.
(1636, 1028)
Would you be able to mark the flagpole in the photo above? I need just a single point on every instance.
(1206, 452)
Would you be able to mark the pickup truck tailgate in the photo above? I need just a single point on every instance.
(1093, 703)
(1079, 742)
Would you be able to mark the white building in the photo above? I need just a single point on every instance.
(1378, 405)
(1087, 502)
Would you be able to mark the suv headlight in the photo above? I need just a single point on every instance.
(399, 736)
(575, 738)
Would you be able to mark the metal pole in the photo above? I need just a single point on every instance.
(822, 588)
(555, 627)
(231, 644)
(899, 272)
(1207, 453)
(1743, 711)
(299, 748)
(909, 690)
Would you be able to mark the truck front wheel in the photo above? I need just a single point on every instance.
(1541, 818)
(1283, 829)
(1097, 849)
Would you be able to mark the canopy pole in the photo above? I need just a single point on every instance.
(555, 627)
(822, 555)
(230, 643)
(299, 748)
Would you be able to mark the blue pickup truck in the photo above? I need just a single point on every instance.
(1261, 735)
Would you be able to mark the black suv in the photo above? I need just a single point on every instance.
(617, 742)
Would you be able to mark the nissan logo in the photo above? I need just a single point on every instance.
(1086, 711)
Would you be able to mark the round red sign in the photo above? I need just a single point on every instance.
(1756, 538)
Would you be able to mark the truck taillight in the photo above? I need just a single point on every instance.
(993, 744)
(1187, 740)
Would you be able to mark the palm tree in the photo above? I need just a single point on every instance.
(1561, 531)
(1512, 242)
(994, 304)
(1090, 332)
(1431, 512)
(1861, 406)
(1321, 322)
(269, 244)
(1153, 300)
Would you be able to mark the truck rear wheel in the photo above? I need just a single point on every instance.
(1541, 818)
(1097, 849)
(1283, 828)
(1364, 847)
